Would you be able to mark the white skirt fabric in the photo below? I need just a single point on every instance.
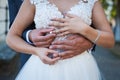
(81, 67)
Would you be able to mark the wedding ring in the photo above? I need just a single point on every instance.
(51, 32)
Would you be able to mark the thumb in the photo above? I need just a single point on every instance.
(53, 52)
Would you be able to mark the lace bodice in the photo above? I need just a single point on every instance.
(45, 11)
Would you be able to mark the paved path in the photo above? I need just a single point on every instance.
(108, 63)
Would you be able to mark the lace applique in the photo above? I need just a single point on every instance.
(37, 1)
(46, 11)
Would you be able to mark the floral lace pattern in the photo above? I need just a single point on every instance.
(45, 11)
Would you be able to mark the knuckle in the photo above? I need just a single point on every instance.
(36, 44)
(33, 39)
(73, 42)
(37, 38)
(55, 23)
(62, 47)
(39, 44)
(43, 60)
(63, 54)
(47, 45)
(47, 42)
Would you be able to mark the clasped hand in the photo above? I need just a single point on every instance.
(74, 45)
(69, 24)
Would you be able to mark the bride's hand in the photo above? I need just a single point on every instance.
(70, 24)
(43, 54)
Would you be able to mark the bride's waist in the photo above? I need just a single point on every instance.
(83, 55)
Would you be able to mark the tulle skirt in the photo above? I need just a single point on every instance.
(80, 67)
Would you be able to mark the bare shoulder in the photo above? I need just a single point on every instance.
(98, 16)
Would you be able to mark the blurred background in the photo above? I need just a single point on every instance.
(108, 59)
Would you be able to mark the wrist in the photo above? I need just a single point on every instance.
(97, 37)
(91, 34)
(85, 30)
(36, 51)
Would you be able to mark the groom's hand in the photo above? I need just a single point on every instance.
(39, 38)
(73, 46)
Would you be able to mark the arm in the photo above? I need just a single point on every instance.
(74, 45)
(39, 39)
(105, 39)
(24, 34)
(23, 19)
(20, 24)
(14, 6)
(36, 35)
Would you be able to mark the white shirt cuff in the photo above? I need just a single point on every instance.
(27, 37)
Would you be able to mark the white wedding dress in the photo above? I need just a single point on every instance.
(80, 67)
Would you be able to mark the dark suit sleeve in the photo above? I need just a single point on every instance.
(30, 27)
(14, 6)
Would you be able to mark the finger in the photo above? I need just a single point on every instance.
(39, 39)
(63, 33)
(73, 36)
(53, 52)
(63, 42)
(47, 30)
(49, 60)
(42, 44)
(57, 24)
(55, 55)
(66, 57)
(62, 47)
(66, 53)
(44, 38)
(62, 20)
(71, 15)
(60, 30)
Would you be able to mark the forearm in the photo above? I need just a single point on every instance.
(19, 44)
(105, 39)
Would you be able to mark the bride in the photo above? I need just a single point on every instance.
(47, 13)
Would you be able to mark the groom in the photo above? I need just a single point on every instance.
(73, 46)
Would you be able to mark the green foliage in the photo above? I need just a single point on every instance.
(110, 8)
